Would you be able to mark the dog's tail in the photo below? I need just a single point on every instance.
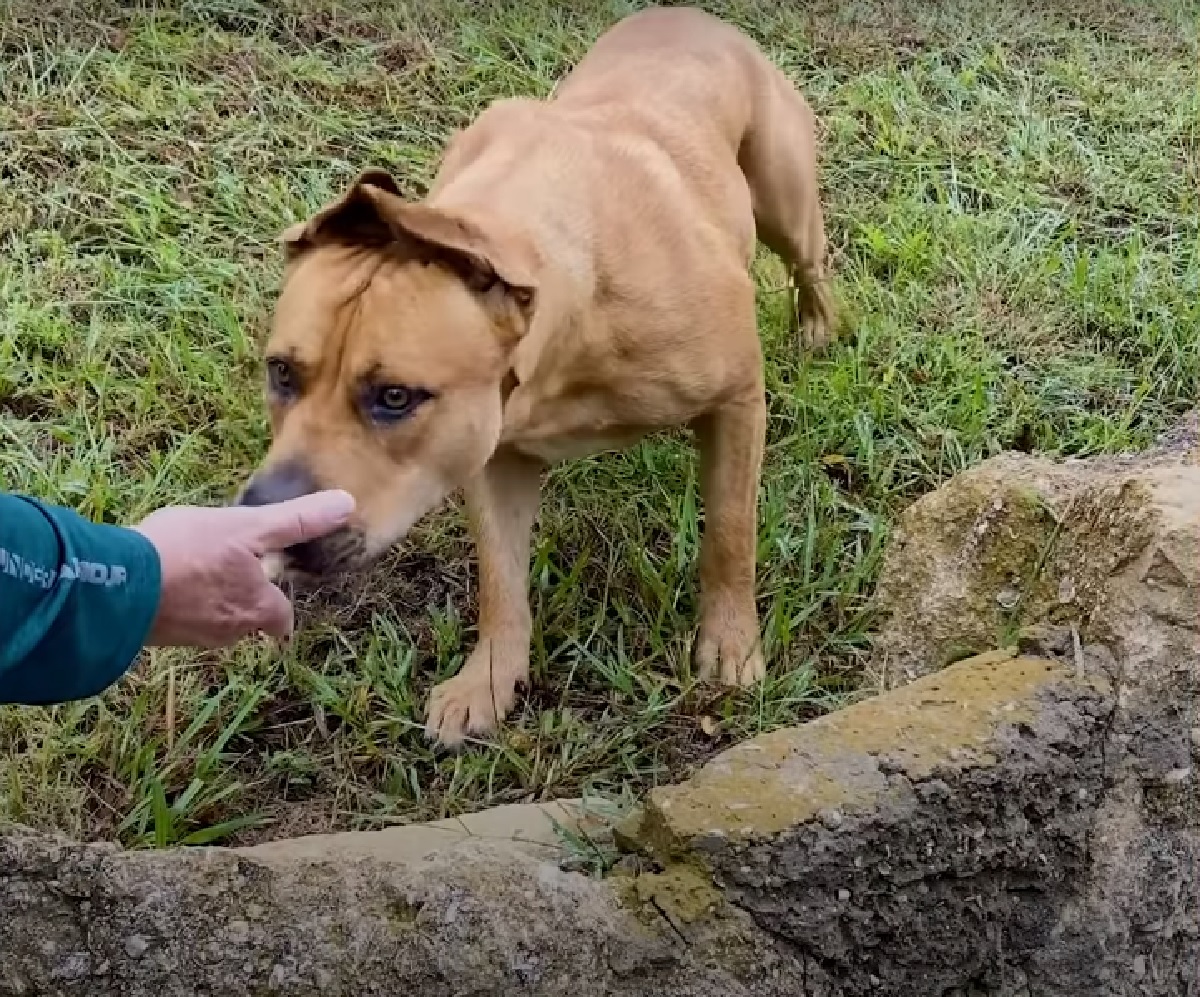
(778, 156)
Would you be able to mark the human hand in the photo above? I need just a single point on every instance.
(214, 588)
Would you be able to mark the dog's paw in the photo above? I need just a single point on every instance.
(815, 335)
(813, 318)
(474, 702)
(730, 653)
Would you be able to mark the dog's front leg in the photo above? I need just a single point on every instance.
(502, 504)
(731, 441)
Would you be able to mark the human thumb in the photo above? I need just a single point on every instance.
(275, 527)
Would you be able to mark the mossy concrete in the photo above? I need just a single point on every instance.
(897, 843)
(722, 912)
(477, 918)
(840, 763)
(1021, 541)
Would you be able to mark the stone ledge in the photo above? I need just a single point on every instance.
(533, 828)
(848, 761)
(898, 845)
(942, 761)
(475, 918)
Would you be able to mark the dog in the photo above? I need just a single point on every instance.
(577, 277)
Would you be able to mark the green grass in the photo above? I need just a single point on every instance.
(1012, 200)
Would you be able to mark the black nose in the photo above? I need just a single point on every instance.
(278, 484)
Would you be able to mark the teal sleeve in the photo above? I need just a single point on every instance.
(77, 601)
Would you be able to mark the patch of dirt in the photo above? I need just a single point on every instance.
(297, 27)
(1137, 24)
(293, 819)
(408, 582)
(242, 66)
(102, 24)
(28, 407)
(402, 54)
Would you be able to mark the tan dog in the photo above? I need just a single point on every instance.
(576, 278)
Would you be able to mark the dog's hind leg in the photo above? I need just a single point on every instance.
(502, 504)
(779, 159)
(731, 440)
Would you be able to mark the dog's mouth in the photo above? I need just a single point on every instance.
(338, 553)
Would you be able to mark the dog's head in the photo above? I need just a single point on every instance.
(387, 362)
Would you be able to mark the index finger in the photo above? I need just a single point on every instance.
(274, 527)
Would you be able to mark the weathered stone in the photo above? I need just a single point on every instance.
(532, 828)
(474, 918)
(1022, 822)
(851, 760)
(1124, 544)
(964, 803)
(1022, 542)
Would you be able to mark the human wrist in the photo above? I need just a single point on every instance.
(152, 581)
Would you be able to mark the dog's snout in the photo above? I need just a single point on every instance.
(279, 484)
(320, 556)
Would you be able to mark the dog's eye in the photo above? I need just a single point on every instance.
(395, 401)
(281, 377)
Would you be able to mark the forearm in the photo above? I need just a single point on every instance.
(76, 602)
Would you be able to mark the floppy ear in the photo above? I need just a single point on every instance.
(497, 264)
(352, 218)
(484, 256)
